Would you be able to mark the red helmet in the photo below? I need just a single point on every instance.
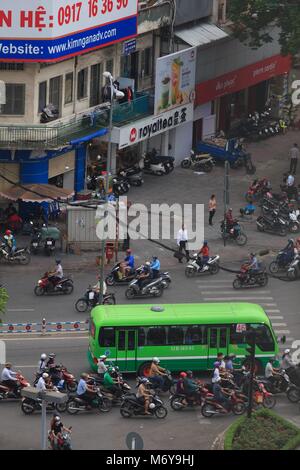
(128, 251)
(183, 375)
(8, 232)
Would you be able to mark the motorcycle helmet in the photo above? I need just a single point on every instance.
(154, 257)
(287, 351)
(43, 356)
(183, 375)
(103, 357)
(52, 355)
(152, 406)
(189, 373)
(217, 364)
(147, 263)
(57, 261)
(205, 242)
(117, 369)
(8, 232)
(45, 375)
(144, 380)
(57, 419)
(128, 251)
(156, 360)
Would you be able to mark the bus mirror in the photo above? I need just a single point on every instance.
(283, 339)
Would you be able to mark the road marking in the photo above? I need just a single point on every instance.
(275, 317)
(20, 309)
(279, 324)
(282, 332)
(268, 310)
(43, 338)
(268, 305)
(213, 281)
(23, 367)
(237, 298)
(230, 292)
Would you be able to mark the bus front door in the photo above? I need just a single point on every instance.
(218, 342)
(126, 350)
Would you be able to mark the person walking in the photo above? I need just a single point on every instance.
(182, 239)
(212, 206)
(294, 156)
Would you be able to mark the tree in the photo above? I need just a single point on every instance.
(3, 300)
(253, 18)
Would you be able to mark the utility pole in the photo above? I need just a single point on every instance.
(252, 339)
(226, 197)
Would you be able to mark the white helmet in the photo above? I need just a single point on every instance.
(43, 356)
(103, 357)
(45, 375)
(287, 351)
(152, 406)
(156, 360)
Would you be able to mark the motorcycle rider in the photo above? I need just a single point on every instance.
(56, 428)
(143, 394)
(110, 383)
(9, 378)
(219, 396)
(102, 367)
(84, 391)
(220, 359)
(253, 266)
(271, 373)
(54, 370)
(203, 255)
(191, 388)
(10, 242)
(157, 373)
(145, 275)
(155, 267)
(57, 275)
(287, 361)
(128, 265)
(43, 381)
(231, 223)
(97, 287)
(42, 363)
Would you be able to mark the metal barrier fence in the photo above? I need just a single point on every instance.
(44, 327)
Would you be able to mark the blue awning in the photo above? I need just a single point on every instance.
(88, 137)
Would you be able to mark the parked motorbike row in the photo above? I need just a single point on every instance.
(199, 162)
(258, 126)
(286, 265)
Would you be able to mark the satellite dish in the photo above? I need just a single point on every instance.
(2, 92)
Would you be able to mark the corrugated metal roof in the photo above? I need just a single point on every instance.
(201, 34)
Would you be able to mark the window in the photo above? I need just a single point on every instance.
(126, 66)
(141, 336)
(146, 65)
(55, 92)
(121, 340)
(69, 88)
(95, 85)
(9, 67)
(131, 340)
(223, 338)
(82, 84)
(175, 335)
(196, 334)
(107, 337)
(15, 99)
(264, 339)
(42, 96)
(156, 336)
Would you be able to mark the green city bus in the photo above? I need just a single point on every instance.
(183, 336)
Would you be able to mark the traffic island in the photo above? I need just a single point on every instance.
(265, 430)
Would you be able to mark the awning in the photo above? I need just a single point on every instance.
(37, 193)
(202, 34)
(88, 137)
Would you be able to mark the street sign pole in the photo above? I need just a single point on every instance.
(226, 197)
(44, 425)
(252, 365)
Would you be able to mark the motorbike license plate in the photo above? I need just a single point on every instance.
(35, 244)
(91, 295)
(259, 399)
(49, 243)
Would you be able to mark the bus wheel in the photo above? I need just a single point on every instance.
(144, 369)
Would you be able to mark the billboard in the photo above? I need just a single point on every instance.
(175, 80)
(51, 30)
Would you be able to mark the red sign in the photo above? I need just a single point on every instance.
(133, 135)
(242, 78)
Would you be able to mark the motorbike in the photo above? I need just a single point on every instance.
(65, 381)
(210, 267)
(168, 384)
(152, 168)
(91, 299)
(49, 246)
(77, 404)
(293, 271)
(36, 239)
(261, 396)
(115, 276)
(45, 286)
(282, 384)
(276, 226)
(154, 288)
(211, 407)
(132, 407)
(257, 189)
(120, 186)
(293, 393)
(21, 255)
(133, 175)
(7, 392)
(30, 405)
(180, 401)
(250, 279)
(235, 234)
(49, 113)
(167, 162)
(200, 162)
(63, 442)
(290, 217)
(281, 263)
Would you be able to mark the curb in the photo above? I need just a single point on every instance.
(218, 443)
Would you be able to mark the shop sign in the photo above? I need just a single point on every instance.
(129, 47)
(242, 78)
(175, 80)
(51, 30)
(154, 125)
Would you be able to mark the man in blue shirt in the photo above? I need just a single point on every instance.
(155, 267)
(84, 391)
(128, 265)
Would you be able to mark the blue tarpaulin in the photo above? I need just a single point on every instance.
(88, 137)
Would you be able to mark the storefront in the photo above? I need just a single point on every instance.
(169, 133)
(230, 97)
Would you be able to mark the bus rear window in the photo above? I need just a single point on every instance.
(107, 337)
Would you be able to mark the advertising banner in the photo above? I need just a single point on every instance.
(175, 80)
(51, 30)
(154, 125)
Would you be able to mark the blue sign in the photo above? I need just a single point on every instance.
(39, 50)
(129, 47)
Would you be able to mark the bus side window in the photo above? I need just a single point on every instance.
(141, 336)
(156, 336)
(107, 337)
(175, 335)
(264, 338)
(196, 334)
